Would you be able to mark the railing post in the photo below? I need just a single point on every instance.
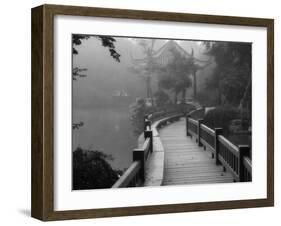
(244, 150)
(147, 123)
(186, 124)
(144, 122)
(199, 131)
(138, 155)
(148, 134)
(218, 131)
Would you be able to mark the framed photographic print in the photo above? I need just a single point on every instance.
(141, 112)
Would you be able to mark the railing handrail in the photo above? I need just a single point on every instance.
(128, 175)
(207, 129)
(193, 121)
(140, 155)
(195, 110)
(145, 147)
(235, 159)
(230, 146)
(248, 164)
(162, 113)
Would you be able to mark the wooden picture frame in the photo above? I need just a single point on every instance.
(42, 205)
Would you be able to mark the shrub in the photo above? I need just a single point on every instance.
(91, 170)
(161, 98)
(222, 116)
(207, 98)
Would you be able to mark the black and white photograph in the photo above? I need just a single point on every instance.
(140, 112)
(160, 112)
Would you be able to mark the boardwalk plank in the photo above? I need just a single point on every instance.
(185, 162)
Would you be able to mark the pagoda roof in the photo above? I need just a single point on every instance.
(163, 55)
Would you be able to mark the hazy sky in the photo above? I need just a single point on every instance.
(104, 74)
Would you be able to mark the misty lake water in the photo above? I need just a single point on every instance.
(108, 130)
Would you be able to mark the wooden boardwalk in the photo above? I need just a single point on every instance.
(185, 162)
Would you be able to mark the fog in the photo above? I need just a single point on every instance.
(106, 119)
(105, 75)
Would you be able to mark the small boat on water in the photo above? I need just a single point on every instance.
(121, 97)
(120, 93)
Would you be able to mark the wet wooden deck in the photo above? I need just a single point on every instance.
(185, 162)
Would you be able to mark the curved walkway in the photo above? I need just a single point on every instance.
(185, 162)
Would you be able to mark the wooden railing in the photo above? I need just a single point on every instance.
(169, 119)
(135, 174)
(234, 159)
(207, 138)
(248, 171)
(161, 114)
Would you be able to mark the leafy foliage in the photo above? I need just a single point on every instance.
(232, 75)
(137, 111)
(161, 98)
(76, 72)
(77, 125)
(91, 170)
(106, 41)
(222, 116)
(176, 75)
(77, 40)
(207, 97)
(146, 67)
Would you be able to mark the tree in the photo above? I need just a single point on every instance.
(232, 75)
(76, 72)
(106, 41)
(221, 117)
(91, 170)
(175, 76)
(146, 67)
(138, 111)
(77, 39)
(77, 125)
(161, 98)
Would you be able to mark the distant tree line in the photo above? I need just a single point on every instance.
(232, 75)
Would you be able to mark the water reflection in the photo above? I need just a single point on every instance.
(106, 129)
